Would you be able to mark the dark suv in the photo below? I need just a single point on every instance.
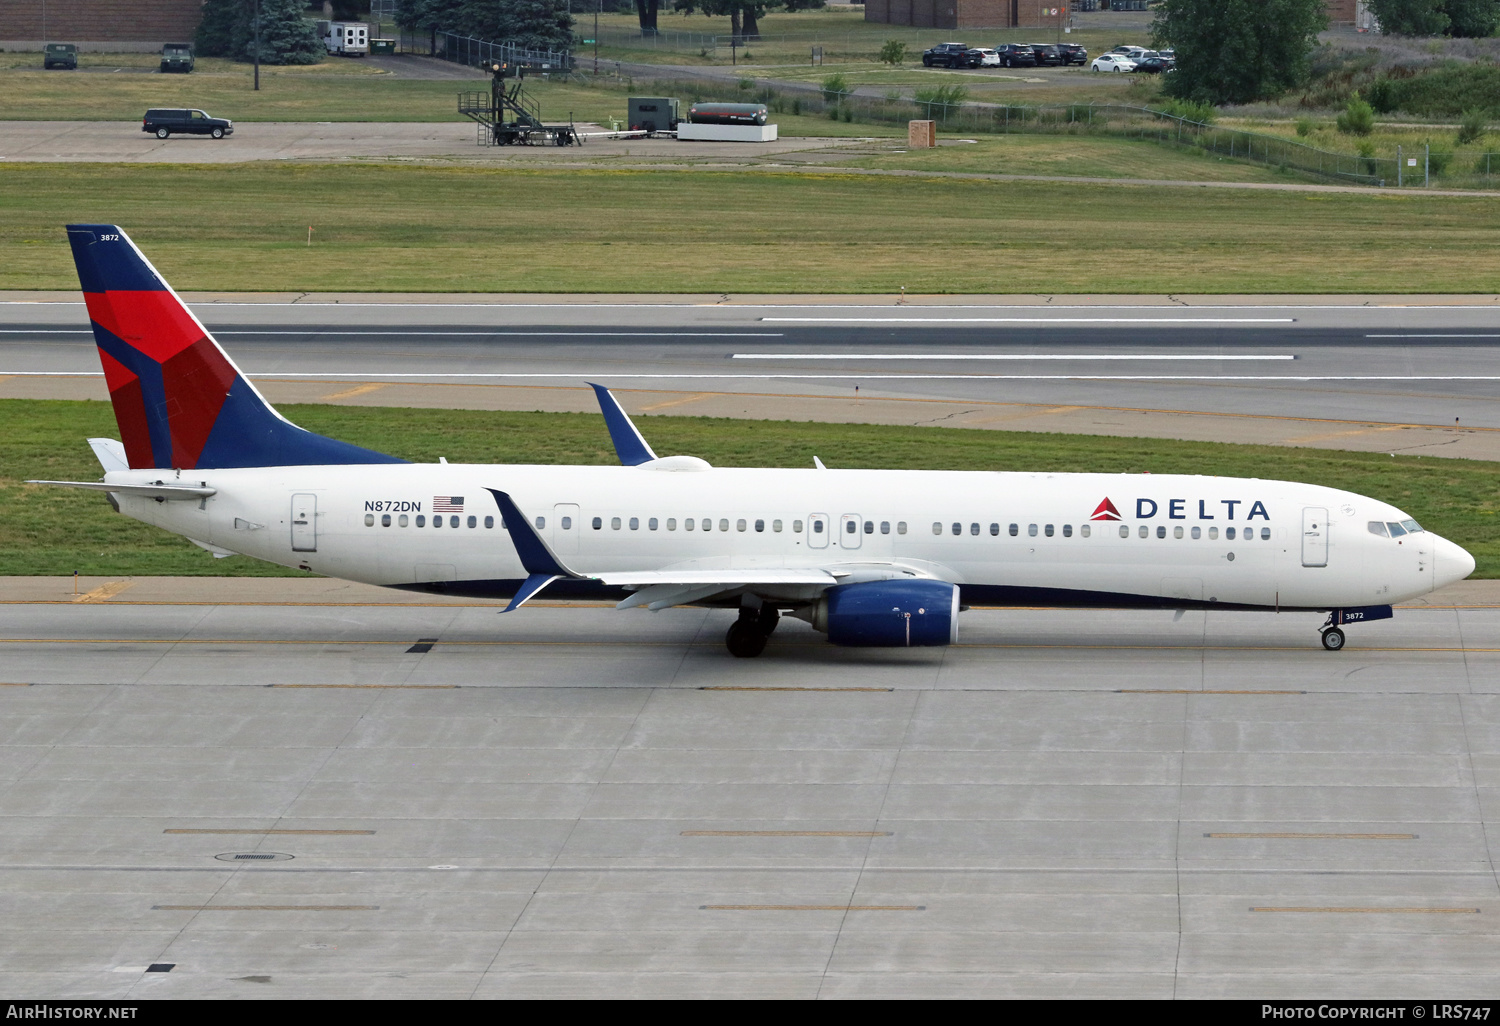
(1048, 56)
(170, 120)
(177, 57)
(1016, 55)
(60, 55)
(947, 55)
(1072, 53)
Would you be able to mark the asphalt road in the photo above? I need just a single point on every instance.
(1379, 378)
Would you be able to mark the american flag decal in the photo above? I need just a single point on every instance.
(447, 503)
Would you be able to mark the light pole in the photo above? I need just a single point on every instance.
(257, 45)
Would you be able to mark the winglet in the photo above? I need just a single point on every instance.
(533, 584)
(534, 554)
(629, 445)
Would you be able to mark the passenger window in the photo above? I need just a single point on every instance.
(724, 525)
(1031, 530)
(635, 523)
(473, 521)
(760, 527)
(541, 523)
(1067, 530)
(1396, 530)
(1197, 533)
(401, 520)
(901, 527)
(1177, 531)
(869, 527)
(369, 519)
(937, 528)
(994, 530)
(614, 523)
(489, 522)
(1265, 534)
(437, 521)
(739, 525)
(689, 523)
(421, 521)
(776, 526)
(385, 520)
(1161, 532)
(598, 523)
(567, 523)
(671, 523)
(1213, 534)
(1229, 533)
(1048, 531)
(1083, 531)
(885, 527)
(974, 530)
(1015, 529)
(651, 523)
(796, 527)
(958, 529)
(708, 525)
(1124, 531)
(850, 527)
(1145, 531)
(817, 527)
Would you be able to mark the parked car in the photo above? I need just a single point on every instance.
(946, 55)
(1072, 53)
(1047, 55)
(1016, 55)
(1169, 53)
(1155, 65)
(60, 55)
(177, 57)
(983, 57)
(171, 120)
(1112, 62)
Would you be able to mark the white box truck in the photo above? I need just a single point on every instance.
(345, 38)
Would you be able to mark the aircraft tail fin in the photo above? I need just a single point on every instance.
(179, 399)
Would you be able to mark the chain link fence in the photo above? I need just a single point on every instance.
(474, 52)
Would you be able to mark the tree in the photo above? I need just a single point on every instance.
(286, 37)
(646, 11)
(1410, 17)
(744, 15)
(215, 36)
(1472, 18)
(538, 24)
(1236, 51)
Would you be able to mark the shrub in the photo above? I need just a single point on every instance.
(1385, 95)
(1188, 110)
(796, 105)
(938, 101)
(893, 52)
(1452, 88)
(1358, 118)
(1472, 127)
(747, 84)
(1438, 159)
(848, 113)
(835, 87)
(1305, 127)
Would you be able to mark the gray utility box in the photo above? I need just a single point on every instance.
(652, 114)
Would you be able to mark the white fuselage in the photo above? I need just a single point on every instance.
(1003, 537)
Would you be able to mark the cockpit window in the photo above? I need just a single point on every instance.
(1396, 530)
(1412, 527)
(1378, 528)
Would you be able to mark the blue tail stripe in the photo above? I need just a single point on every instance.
(153, 390)
(248, 434)
(112, 266)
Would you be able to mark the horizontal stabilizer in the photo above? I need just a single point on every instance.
(149, 491)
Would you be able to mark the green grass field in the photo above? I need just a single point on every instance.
(476, 229)
(56, 531)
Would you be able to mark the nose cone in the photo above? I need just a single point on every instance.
(1450, 562)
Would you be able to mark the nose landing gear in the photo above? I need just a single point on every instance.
(1333, 639)
(1332, 629)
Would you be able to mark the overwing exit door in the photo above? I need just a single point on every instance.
(1314, 536)
(565, 529)
(849, 536)
(304, 522)
(817, 530)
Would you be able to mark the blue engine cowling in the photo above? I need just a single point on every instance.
(889, 614)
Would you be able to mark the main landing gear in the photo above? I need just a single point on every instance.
(747, 636)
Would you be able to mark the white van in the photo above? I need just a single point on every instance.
(345, 38)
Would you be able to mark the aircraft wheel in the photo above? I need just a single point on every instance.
(766, 622)
(744, 640)
(1333, 639)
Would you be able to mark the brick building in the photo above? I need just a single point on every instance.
(120, 25)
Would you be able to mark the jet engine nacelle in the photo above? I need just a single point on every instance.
(888, 614)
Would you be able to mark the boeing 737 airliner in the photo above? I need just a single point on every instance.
(870, 557)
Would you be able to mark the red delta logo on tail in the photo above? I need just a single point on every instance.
(1105, 511)
(179, 400)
